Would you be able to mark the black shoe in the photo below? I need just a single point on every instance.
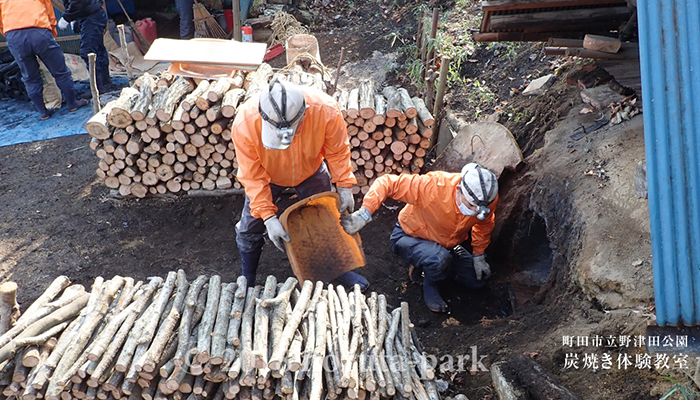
(77, 104)
(46, 114)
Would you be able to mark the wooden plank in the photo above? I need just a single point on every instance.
(508, 5)
(246, 55)
(553, 20)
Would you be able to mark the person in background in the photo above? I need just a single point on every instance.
(91, 21)
(30, 29)
(184, 10)
(282, 138)
(443, 210)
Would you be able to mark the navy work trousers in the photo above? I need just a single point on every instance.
(26, 45)
(250, 230)
(92, 30)
(184, 9)
(437, 262)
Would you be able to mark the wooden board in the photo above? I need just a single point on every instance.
(320, 249)
(241, 55)
(487, 143)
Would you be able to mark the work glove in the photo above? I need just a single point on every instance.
(62, 23)
(347, 201)
(276, 232)
(352, 223)
(481, 267)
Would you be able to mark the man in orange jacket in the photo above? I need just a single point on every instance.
(443, 209)
(282, 138)
(30, 27)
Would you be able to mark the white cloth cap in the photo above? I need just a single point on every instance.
(472, 176)
(294, 102)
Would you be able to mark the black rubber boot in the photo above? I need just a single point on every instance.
(431, 295)
(38, 102)
(249, 265)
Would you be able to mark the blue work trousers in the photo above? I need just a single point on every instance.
(436, 262)
(92, 30)
(250, 230)
(29, 43)
(184, 9)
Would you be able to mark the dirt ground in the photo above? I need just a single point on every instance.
(56, 218)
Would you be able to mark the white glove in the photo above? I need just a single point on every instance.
(481, 267)
(276, 232)
(62, 23)
(354, 222)
(347, 201)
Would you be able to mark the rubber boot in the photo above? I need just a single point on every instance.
(72, 102)
(431, 295)
(38, 102)
(350, 279)
(249, 265)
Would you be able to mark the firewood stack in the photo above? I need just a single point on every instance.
(168, 134)
(389, 131)
(174, 339)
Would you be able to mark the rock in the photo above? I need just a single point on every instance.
(600, 97)
(539, 85)
(640, 180)
(460, 397)
(637, 263)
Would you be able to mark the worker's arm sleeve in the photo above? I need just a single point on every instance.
(336, 150)
(481, 231)
(254, 178)
(71, 9)
(411, 189)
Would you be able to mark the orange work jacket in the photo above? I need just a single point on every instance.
(432, 212)
(19, 14)
(321, 134)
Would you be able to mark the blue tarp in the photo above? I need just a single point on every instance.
(20, 123)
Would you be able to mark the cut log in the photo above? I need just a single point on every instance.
(262, 317)
(247, 362)
(423, 114)
(140, 107)
(97, 126)
(366, 102)
(9, 309)
(157, 103)
(407, 106)
(217, 90)
(120, 115)
(189, 101)
(179, 89)
(354, 103)
(379, 109)
(393, 102)
(398, 147)
(230, 102)
(220, 331)
(343, 102)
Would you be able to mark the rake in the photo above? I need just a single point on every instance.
(205, 26)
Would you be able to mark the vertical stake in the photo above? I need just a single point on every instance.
(93, 84)
(237, 34)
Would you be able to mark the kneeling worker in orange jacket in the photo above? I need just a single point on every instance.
(282, 138)
(443, 209)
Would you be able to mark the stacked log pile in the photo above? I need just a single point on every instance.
(174, 339)
(167, 134)
(389, 132)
